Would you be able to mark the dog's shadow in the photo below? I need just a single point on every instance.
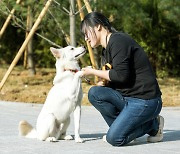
(91, 137)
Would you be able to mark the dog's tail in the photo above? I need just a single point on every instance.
(25, 129)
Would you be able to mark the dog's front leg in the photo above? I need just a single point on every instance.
(76, 83)
(77, 116)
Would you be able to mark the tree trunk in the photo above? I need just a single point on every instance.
(31, 66)
(72, 23)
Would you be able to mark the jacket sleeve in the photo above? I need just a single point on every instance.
(120, 50)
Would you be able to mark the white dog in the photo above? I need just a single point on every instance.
(63, 98)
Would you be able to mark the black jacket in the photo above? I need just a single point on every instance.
(131, 72)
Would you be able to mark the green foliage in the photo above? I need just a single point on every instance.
(154, 24)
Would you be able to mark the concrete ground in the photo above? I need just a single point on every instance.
(93, 128)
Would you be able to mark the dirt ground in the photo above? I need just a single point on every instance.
(22, 87)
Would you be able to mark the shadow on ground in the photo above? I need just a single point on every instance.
(169, 135)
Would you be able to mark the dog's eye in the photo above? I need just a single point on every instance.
(72, 48)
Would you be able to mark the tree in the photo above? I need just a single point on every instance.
(154, 24)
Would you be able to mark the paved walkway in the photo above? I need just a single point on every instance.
(92, 129)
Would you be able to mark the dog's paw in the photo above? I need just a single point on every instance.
(79, 73)
(104, 138)
(51, 139)
(68, 137)
(79, 140)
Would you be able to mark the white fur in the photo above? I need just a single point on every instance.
(63, 98)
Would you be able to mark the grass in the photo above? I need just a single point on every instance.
(21, 87)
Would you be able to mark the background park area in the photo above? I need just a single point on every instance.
(154, 24)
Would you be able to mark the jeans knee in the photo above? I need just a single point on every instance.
(111, 139)
(114, 140)
(92, 94)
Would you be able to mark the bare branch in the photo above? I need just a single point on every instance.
(63, 8)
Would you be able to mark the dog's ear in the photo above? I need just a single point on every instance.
(55, 52)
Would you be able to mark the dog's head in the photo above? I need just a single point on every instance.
(68, 53)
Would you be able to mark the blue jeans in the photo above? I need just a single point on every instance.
(128, 118)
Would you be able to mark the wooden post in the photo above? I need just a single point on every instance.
(21, 50)
(81, 11)
(91, 54)
(8, 20)
(88, 7)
